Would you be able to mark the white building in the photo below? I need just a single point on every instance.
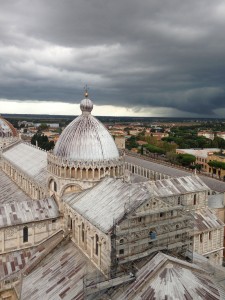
(80, 212)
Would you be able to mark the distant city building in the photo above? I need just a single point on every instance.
(25, 123)
(51, 125)
(220, 135)
(219, 172)
(206, 134)
(120, 142)
(200, 154)
(159, 135)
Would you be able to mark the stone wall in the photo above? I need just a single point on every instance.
(28, 185)
(92, 242)
(27, 235)
(150, 174)
(210, 244)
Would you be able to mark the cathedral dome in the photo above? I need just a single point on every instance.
(86, 138)
(6, 128)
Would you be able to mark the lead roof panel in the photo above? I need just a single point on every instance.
(29, 159)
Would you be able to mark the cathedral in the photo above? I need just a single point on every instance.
(82, 222)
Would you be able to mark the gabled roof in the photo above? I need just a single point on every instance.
(177, 186)
(107, 201)
(165, 277)
(14, 262)
(22, 212)
(9, 191)
(204, 219)
(59, 276)
(30, 160)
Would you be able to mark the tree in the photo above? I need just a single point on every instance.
(171, 157)
(43, 126)
(186, 160)
(131, 143)
(154, 149)
(42, 141)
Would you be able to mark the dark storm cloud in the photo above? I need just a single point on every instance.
(136, 54)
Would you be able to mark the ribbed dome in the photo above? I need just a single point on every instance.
(85, 138)
(6, 128)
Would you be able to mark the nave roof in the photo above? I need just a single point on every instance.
(10, 192)
(22, 212)
(29, 159)
(59, 276)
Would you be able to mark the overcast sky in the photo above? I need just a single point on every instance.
(143, 58)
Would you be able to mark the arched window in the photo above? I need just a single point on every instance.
(96, 244)
(195, 199)
(82, 229)
(121, 241)
(55, 186)
(178, 201)
(210, 235)
(25, 234)
(70, 222)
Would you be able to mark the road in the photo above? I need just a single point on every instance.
(212, 183)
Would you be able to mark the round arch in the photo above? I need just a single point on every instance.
(70, 188)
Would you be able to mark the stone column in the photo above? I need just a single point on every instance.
(99, 253)
(32, 234)
(92, 246)
(18, 238)
(3, 240)
(85, 239)
(79, 233)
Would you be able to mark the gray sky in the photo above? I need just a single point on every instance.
(147, 58)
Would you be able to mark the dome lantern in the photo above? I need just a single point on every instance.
(86, 104)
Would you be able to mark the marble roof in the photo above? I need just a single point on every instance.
(59, 276)
(204, 219)
(106, 202)
(15, 213)
(177, 186)
(166, 277)
(9, 191)
(29, 159)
